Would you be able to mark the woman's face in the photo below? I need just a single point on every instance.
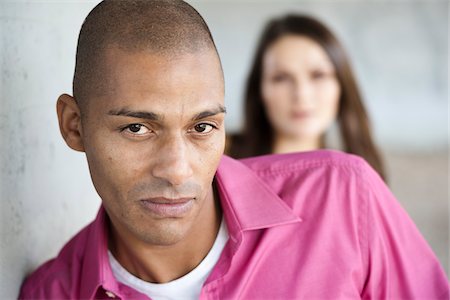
(300, 89)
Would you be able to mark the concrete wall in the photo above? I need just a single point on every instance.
(399, 50)
(46, 192)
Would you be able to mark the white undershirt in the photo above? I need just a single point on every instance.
(186, 287)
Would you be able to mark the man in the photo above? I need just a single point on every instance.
(178, 220)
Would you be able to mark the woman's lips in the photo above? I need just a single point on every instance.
(301, 115)
(168, 208)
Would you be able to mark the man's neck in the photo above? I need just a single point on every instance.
(160, 264)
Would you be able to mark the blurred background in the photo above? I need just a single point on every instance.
(399, 51)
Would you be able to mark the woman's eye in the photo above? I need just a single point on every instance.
(137, 129)
(279, 78)
(318, 75)
(203, 128)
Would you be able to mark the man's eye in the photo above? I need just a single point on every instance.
(137, 129)
(203, 128)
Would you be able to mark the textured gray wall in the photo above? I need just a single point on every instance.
(46, 193)
(399, 50)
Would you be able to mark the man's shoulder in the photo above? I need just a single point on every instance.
(305, 161)
(53, 278)
(43, 279)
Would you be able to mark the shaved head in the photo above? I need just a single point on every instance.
(168, 28)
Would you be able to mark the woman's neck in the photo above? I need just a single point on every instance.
(284, 144)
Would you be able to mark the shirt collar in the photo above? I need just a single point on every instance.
(247, 202)
(96, 270)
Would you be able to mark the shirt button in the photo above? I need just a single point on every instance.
(110, 294)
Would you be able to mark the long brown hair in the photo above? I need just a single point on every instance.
(257, 136)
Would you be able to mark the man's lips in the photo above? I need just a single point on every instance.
(163, 200)
(168, 207)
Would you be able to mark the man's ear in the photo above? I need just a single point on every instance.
(70, 122)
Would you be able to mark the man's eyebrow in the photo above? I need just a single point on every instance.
(155, 117)
(135, 114)
(208, 113)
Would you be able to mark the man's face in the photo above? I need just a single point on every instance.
(154, 140)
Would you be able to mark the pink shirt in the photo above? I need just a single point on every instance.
(318, 225)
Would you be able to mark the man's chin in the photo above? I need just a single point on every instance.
(167, 233)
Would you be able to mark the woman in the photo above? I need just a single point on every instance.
(300, 83)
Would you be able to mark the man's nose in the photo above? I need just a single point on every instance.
(173, 163)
